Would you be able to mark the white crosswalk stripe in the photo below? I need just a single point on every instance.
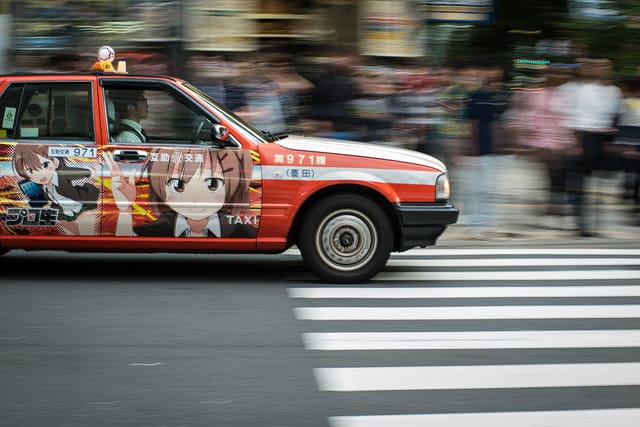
(470, 340)
(465, 292)
(439, 252)
(485, 312)
(585, 418)
(496, 276)
(512, 262)
(608, 282)
(477, 377)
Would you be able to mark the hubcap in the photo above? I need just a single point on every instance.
(346, 240)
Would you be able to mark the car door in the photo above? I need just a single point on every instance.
(166, 179)
(50, 165)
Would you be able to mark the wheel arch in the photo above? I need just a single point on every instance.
(322, 193)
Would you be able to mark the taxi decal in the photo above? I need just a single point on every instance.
(43, 194)
(73, 151)
(183, 192)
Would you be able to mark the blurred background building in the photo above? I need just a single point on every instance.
(436, 32)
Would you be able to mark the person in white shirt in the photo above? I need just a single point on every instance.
(132, 108)
(593, 104)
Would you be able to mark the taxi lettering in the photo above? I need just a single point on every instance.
(300, 173)
(31, 217)
(300, 159)
(89, 152)
(243, 220)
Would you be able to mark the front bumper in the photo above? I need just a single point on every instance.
(422, 223)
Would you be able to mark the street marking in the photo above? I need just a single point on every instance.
(511, 262)
(483, 312)
(477, 377)
(625, 417)
(466, 292)
(600, 252)
(146, 364)
(18, 338)
(433, 251)
(332, 341)
(511, 275)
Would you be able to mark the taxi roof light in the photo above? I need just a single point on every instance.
(121, 67)
(106, 56)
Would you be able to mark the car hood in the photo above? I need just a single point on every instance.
(360, 149)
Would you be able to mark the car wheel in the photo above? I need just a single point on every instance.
(345, 238)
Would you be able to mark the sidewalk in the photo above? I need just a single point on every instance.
(521, 195)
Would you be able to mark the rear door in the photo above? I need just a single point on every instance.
(50, 168)
(166, 183)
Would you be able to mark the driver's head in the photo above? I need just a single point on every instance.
(131, 104)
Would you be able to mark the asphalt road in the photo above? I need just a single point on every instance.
(204, 340)
(150, 340)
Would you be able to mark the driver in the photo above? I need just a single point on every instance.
(131, 106)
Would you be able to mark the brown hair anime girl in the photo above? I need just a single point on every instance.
(62, 186)
(195, 192)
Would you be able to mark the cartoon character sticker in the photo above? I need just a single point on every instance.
(192, 192)
(57, 193)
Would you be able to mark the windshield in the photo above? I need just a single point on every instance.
(260, 135)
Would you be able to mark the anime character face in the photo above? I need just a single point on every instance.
(44, 173)
(34, 164)
(197, 183)
(209, 188)
(199, 196)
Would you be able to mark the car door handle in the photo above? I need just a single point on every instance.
(131, 156)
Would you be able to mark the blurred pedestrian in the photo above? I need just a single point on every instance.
(334, 91)
(453, 126)
(254, 97)
(627, 144)
(541, 125)
(210, 73)
(291, 87)
(593, 104)
(485, 107)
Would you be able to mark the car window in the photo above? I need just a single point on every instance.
(154, 114)
(9, 104)
(52, 111)
(249, 130)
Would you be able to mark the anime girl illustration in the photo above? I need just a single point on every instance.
(194, 192)
(50, 182)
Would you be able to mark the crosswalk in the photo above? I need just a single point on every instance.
(480, 337)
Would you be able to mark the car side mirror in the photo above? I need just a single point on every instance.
(219, 133)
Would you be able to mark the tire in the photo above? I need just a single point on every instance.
(345, 238)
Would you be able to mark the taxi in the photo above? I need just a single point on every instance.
(112, 161)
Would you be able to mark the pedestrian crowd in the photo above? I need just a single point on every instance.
(579, 124)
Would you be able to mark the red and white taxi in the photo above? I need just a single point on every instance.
(118, 162)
